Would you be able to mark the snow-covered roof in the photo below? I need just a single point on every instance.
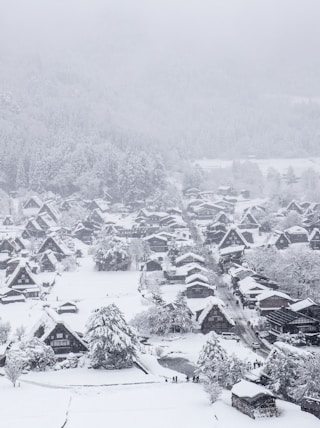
(214, 301)
(230, 250)
(194, 256)
(313, 234)
(246, 389)
(266, 294)
(296, 230)
(298, 306)
(49, 321)
(196, 276)
(199, 283)
(247, 284)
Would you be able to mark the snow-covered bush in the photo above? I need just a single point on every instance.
(33, 354)
(111, 341)
(4, 331)
(161, 319)
(111, 254)
(13, 369)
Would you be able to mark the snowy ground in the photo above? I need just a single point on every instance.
(149, 405)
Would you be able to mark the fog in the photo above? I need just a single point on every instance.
(215, 74)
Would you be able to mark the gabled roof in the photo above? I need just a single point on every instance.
(249, 285)
(267, 294)
(314, 234)
(235, 230)
(162, 238)
(35, 199)
(199, 284)
(48, 322)
(47, 219)
(275, 236)
(196, 277)
(249, 390)
(210, 303)
(231, 250)
(303, 304)
(61, 245)
(296, 230)
(249, 218)
(195, 257)
(22, 265)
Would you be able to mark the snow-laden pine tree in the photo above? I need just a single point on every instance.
(111, 341)
(216, 366)
(181, 315)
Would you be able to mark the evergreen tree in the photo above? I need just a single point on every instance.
(111, 341)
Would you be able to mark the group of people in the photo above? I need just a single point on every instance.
(195, 379)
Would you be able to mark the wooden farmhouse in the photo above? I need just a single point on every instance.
(34, 202)
(57, 334)
(248, 221)
(9, 246)
(33, 229)
(50, 209)
(23, 280)
(99, 204)
(314, 239)
(253, 400)
(269, 301)
(8, 221)
(279, 240)
(8, 295)
(197, 290)
(45, 221)
(214, 317)
(67, 308)
(307, 307)
(48, 261)
(157, 243)
(285, 320)
(294, 206)
(311, 405)
(58, 248)
(191, 192)
(152, 265)
(233, 238)
(297, 234)
(189, 258)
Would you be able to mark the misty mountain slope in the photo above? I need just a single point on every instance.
(209, 79)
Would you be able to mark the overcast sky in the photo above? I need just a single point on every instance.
(163, 54)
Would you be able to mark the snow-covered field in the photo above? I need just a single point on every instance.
(298, 164)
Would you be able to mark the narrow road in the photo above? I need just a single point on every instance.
(238, 315)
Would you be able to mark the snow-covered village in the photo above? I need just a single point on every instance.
(160, 214)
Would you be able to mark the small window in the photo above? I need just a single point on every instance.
(59, 335)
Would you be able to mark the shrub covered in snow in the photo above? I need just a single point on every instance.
(111, 255)
(33, 354)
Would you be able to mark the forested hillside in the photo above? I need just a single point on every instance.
(81, 87)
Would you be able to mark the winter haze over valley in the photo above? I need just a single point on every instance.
(160, 213)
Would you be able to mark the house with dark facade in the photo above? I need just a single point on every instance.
(314, 239)
(198, 290)
(189, 258)
(233, 238)
(48, 261)
(22, 279)
(297, 234)
(294, 206)
(214, 317)
(57, 247)
(269, 301)
(253, 400)
(57, 334)
(157, 243)
(307, 307)
(8, 295)
(286, 320)
(34, 202)
(152, 266)
(248, 221)
(279, 240)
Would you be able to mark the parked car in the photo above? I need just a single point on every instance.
(229, 335)
(255, 345)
